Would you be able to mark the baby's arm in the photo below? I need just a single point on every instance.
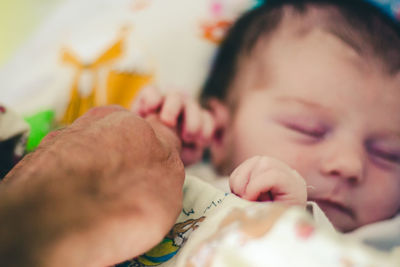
(194, 125)
(266, 179)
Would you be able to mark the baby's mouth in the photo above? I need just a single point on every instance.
(326, 204)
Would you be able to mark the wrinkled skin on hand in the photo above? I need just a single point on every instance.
(101, 191)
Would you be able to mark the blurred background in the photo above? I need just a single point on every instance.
(18, 20)
(62, 57)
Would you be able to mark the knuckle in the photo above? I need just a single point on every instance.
(104, 110)
(266, 162)
(174, 95)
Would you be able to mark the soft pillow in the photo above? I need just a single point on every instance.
(97, 52)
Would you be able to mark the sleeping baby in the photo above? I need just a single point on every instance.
(302, 104)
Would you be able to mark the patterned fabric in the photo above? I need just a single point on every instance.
(139, 43)
(219, 229)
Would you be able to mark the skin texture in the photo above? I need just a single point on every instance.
(257, 179)
(326, 111)
(101, 191)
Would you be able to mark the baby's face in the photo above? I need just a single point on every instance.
(329, 113)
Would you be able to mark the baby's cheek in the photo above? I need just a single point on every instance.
(247, 145)
(382, 203)
(304, 161)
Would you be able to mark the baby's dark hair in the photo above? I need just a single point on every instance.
(356, 22)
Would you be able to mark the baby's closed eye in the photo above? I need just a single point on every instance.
(388, 154)
(305, 126)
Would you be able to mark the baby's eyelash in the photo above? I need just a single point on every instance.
(387, 156)
(392, 156)
(317, 133)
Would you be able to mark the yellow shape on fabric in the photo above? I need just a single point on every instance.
(122, 87)
(79, 104)
(159, 254)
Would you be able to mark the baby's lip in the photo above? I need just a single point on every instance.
(335, 205)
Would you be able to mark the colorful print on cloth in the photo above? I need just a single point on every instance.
(89, 90)
(139, 5)
(200, 200)
(214, 31)
(168, 248)
(41, 124)
(171, 244)
(259, 235)
(222, 14)
(84, 92)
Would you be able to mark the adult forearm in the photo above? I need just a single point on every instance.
(34, 218)
(101, 191)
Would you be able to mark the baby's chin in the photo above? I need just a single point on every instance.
(341, 220)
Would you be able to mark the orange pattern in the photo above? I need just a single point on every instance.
(215, 31)
(121, 88)
(79, 104)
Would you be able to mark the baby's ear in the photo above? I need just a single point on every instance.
(220, 140)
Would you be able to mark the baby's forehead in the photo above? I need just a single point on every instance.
(294, 46)
(379, 42)
(295, 27)
(241, 57)
(305, 60)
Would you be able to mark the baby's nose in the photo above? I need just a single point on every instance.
(346, 160)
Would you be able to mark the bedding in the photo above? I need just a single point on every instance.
(219, 229)
(90, 53)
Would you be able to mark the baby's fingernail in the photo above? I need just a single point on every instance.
(167, 120)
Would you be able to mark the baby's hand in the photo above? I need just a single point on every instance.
(194, 125)
(266, 179)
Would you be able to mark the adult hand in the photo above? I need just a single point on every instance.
(101, 191)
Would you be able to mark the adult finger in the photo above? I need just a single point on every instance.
(50, 137)
(97, 113)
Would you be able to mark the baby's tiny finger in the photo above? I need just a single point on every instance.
(192, 122)
(152, 99)
(258, 185)
(241, 176)
(137, 106)
(171, 109)
(147, 96)
(208, 126)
